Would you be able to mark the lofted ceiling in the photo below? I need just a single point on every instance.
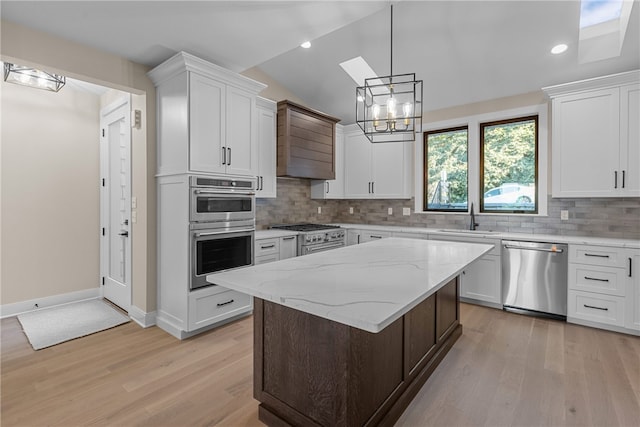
(464, 51)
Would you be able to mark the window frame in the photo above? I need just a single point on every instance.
(482, 126)
(426, 172)
(472, 121)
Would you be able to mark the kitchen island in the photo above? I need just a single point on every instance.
(347, 337)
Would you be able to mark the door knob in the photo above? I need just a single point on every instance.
(123, 233)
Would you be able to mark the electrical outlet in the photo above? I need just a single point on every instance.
(390, 211)
(564, 215)
(134, 217)
(351, 210)
(319, 209)
(406, 211)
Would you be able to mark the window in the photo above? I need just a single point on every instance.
(508, 159)
(446, 172)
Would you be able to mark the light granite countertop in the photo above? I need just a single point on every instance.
(582, 240)
(364, 286)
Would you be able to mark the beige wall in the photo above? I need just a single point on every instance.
(29, 47)
(50, 195)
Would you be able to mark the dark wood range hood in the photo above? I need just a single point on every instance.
(306, 142)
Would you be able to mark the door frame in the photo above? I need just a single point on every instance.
(104, 157)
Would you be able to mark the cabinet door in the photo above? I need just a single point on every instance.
(206, 124)
(586, 134)
(368, 236)
(388, 170)
(481, 280)
(630, 139)
(633, 292)
(335, 187)
(266, 140)
(357, 166)
(240, 132)
(353, 237)
(288, 247)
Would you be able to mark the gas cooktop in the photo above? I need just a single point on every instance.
(304, 227)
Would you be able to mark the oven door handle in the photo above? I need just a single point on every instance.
(213, 233)
(225, 192)
(324, 247)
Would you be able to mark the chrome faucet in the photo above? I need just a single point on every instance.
(472, 223)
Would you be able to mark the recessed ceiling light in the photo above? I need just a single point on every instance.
(306, 45)
(558, 49)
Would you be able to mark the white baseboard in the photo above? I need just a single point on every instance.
(16, 308)
(142, 318)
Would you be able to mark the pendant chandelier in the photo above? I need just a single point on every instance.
(32, 77)
(389, 109)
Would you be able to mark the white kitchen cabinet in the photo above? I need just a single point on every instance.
(595, 138)
(275, 249)
(480, 282)
(603, 288)
(353, 236)
(371, 235)
(208, 306)
(207, 118)
(334, 188)
(632, 305)
(376, 171)
(409, 235)
(266, 141)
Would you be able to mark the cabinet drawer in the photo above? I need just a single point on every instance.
(598, 308)
(267, 247)
(597, 255)
(368, 236)
(205, 309)
(266, 258)
(593, 278)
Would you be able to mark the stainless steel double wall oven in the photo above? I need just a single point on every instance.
(221, 225)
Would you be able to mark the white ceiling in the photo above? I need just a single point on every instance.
(464, 51)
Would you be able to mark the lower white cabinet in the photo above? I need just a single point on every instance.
(353, 236)
(357, 236)
(481, 281)
(210, 305)
(603, 289)
(275, 249)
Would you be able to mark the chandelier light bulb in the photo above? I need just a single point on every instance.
(391, 108)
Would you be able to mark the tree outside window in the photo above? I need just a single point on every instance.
(508, 165)
(446, 160)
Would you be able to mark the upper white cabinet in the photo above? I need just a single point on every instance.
(207, 118)
(376, 171)
(595, 137)
(334, 188)
(266, 136)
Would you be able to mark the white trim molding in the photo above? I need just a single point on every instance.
(141, 317)
(16, 308)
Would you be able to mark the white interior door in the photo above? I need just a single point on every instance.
(115, 201)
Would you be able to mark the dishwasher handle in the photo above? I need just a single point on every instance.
(551, 250)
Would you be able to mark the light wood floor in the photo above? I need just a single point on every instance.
(506, 370)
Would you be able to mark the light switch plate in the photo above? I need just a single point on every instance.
(351, 210)
(564, 215)
(134, 202)
(134, 217)
(390, 211)
(319, 209)
(406, 211)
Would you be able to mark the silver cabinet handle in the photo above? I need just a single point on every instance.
(213, 233)
(596, 279)
(597, 308)
(229, 156)
(224, 155)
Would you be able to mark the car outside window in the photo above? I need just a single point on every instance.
(508, 165)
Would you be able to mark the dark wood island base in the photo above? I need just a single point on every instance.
(310, 371)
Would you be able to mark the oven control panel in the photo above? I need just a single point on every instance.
(321, 237)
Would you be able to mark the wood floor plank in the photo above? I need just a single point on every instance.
(505, 370)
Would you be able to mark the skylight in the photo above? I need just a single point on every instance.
(593, 12)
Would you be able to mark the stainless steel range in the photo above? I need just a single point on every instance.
(316, 237)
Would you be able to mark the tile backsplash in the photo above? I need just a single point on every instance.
(604, 217)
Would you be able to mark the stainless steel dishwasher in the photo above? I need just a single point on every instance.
(534, 278)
